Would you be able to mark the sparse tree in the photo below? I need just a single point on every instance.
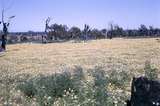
(118, 31)
(110, 32)
(143, 31)
(5, 29)
(74, 33)
(151, 30)
(96, 34)
(58, 31)
(47, 30)
(86, 32)
(104, 31)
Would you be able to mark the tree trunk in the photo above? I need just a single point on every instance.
(4, 36)
(144, 92)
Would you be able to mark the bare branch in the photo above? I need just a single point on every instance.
(3, 16)
(48, 20)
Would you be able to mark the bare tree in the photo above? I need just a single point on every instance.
(5, 27)
(47, 24)
(86, 31)
(47, 28)
(111, 27)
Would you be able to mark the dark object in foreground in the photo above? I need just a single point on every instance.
(144, 92)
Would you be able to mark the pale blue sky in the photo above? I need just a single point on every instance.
(31, 14)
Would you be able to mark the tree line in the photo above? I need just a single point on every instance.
(59, 32)
(62, 32)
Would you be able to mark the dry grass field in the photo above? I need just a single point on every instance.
(49, 58)
(107, 64)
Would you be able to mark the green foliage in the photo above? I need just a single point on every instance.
(150, 72)
(28, 88)
(119, 79)
(47, 86)
(79, 88)
(100, 84)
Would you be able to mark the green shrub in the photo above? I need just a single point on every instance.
(150, 72)
(80, 88)
(28, 88)
(119, 79)
(54, 85)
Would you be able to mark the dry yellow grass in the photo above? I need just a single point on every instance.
(48, 58)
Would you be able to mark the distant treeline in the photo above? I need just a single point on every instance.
(56, 32)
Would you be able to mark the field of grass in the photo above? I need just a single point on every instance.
(48, 58)
(128, 55)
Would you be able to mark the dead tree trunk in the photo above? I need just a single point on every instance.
(144, 92)
(5, 30)
(4, 36)
(47, 27)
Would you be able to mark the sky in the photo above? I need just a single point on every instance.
(31, 14)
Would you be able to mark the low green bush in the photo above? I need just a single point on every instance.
(150, 72)
(77, 88)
